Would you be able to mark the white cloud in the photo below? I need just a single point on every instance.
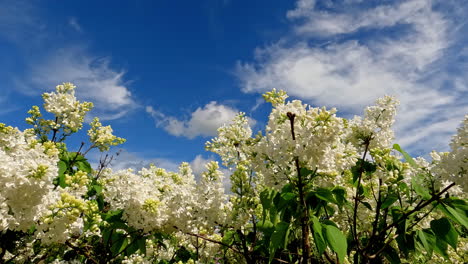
(19, 22)
(204, 121)
(96, 81)
(73, 22)
(198, 164)
(406, 55)
(198, 167)
(53, 57)
(125, 159)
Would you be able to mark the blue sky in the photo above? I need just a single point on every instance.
(166, 73)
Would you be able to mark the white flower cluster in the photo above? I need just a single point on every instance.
(27, 169)
(68, 111)
(318, 143)
(376, 127)
(232, 140)
(453, 166)
(154, 199)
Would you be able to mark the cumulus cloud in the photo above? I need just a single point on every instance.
(402, 48)
(204, 121)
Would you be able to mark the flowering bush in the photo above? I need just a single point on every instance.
(314, 188)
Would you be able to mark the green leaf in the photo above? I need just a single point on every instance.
(392, 255)
(229, 237)
(421, 235)
(336, 240)
(459, 215)
(286, 198)
(75, 157)
(419, 189)
(266, 227)
(83, 166)
(119, 242)
(325, 194)
(367, 205)
(407, 157)
(340, 195)
(306, 172)
(389, 200)
(317, 234)
(265, 199)
(141, 242)
(278, 237)
(441, 248)
(113, 216)
(97, 188)
(444, 230)
(62, 166)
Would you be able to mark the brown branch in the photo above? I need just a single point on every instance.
(356, 197)
(81, 250)
(419, 207)
(306, 251)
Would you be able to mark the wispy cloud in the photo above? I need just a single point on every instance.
(95, 79)
(19, 22)
(73, 22)
(204, 121)
(51, 59)
(398, 48)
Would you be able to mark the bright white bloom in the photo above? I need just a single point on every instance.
(453, 166)
(154, 199)
(65, 219)
(69, 112)
(27, 170)
(136, 259)
(318, 143)
(376, 127)
(232, 140)
(211, 200)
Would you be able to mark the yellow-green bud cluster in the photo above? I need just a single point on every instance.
(275, 97)
(101, 136)
(79, 179)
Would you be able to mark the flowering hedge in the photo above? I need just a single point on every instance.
(314, 188)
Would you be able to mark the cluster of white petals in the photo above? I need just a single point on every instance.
(232, 140)
(69, 112)
(27, 171)
(376, 127)
(156, 200)
(453, 166)
(318, 143)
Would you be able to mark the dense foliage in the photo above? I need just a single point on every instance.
(314, 188)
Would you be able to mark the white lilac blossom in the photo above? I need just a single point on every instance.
(141, 199)
(27, 171)
(234, 145)
(453, 166)
(318, 143)
(154, 199)
(211, 200)
(232, 140)
(69, 112)
(376, 127)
